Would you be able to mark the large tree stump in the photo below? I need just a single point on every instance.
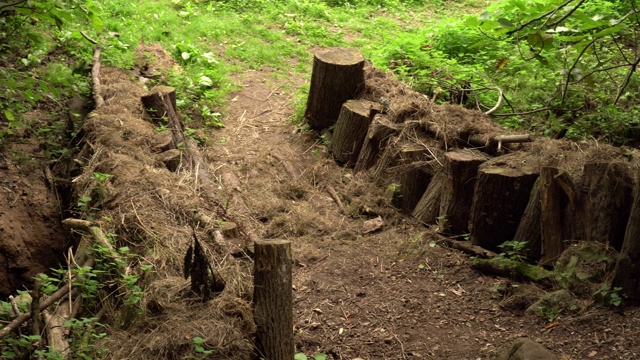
(337, 76)
(273, 299)
(627, 271)
(460, 170)
(529, 227)
(607, 201)
(374, 142)
(428, 208)
(501, 194)
(351, 129)
(153, 102)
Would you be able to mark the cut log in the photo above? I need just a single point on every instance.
(460, 171)
(351, 130)
(500, 197)
(551, 219)
(337, 76)
(627, 272)
(607, 201)
(428, 208)
(377, 135)
(273, 299)
(56, 338)
(413, 183)
(529, 227)
(153, 103)
(230, 230)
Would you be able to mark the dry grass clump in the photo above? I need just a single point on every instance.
(152, 210)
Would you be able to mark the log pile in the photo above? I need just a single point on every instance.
(473, 178)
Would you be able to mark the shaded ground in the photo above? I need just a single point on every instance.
(31, 237)
(389, 294)
(393, 294)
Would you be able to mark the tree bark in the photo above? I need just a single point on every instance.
(529, 227)
(627, 272)
(374, 142)
(154, 104)
(607, 201)
(273, 299)
(337, 76)
(428, 208)
(413, 184)
(500, 197)
(460, 171)
(351, 130)
(551, 222)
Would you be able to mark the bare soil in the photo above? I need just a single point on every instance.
(389, 293)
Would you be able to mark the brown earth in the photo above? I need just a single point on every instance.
(391, 293)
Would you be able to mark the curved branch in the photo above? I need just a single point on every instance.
(555, 23)
(538, 18)
(627, 79)
(8, 5)
(575, 63)
(490, 111)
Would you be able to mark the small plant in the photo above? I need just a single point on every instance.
(316, 356)
(101, 177)
(198, 346)
(513, 250)
(605, 296)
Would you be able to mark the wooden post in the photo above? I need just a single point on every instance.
(551, 224)
(273, 299)
(337, 76)
(351, 129)
(460, 170)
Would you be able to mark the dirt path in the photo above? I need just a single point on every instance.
(392, 294)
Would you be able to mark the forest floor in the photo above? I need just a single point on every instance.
(359, 292)
(389, 294)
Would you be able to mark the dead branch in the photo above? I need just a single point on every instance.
(95, 78)
(336, 198)
(43, 305)
(467, 247)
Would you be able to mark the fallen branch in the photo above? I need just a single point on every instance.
(43, 305)
(467, 247)
(95, 78)
(336, 198)
(292, 170)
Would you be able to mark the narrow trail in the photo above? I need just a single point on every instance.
(389, 294)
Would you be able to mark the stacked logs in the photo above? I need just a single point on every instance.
(477, 185)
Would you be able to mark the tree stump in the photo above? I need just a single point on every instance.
(273, 299)
(171, 159)
(413, 183)
(551, 219)
(153, 103)
(374, 142)
(529, 227)
(460, 171)
(501, 194)
(351, 129)
(428, 208)
(627, 272)
(337, 76)
(607, 201)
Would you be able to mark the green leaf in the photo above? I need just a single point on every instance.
(319, 356)
(484, 15)
(206, 81)
(542, 60)
(185, 55)
(9, 115)
(505, 23)
(96, 22)
(609, 31)
(299, 356)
